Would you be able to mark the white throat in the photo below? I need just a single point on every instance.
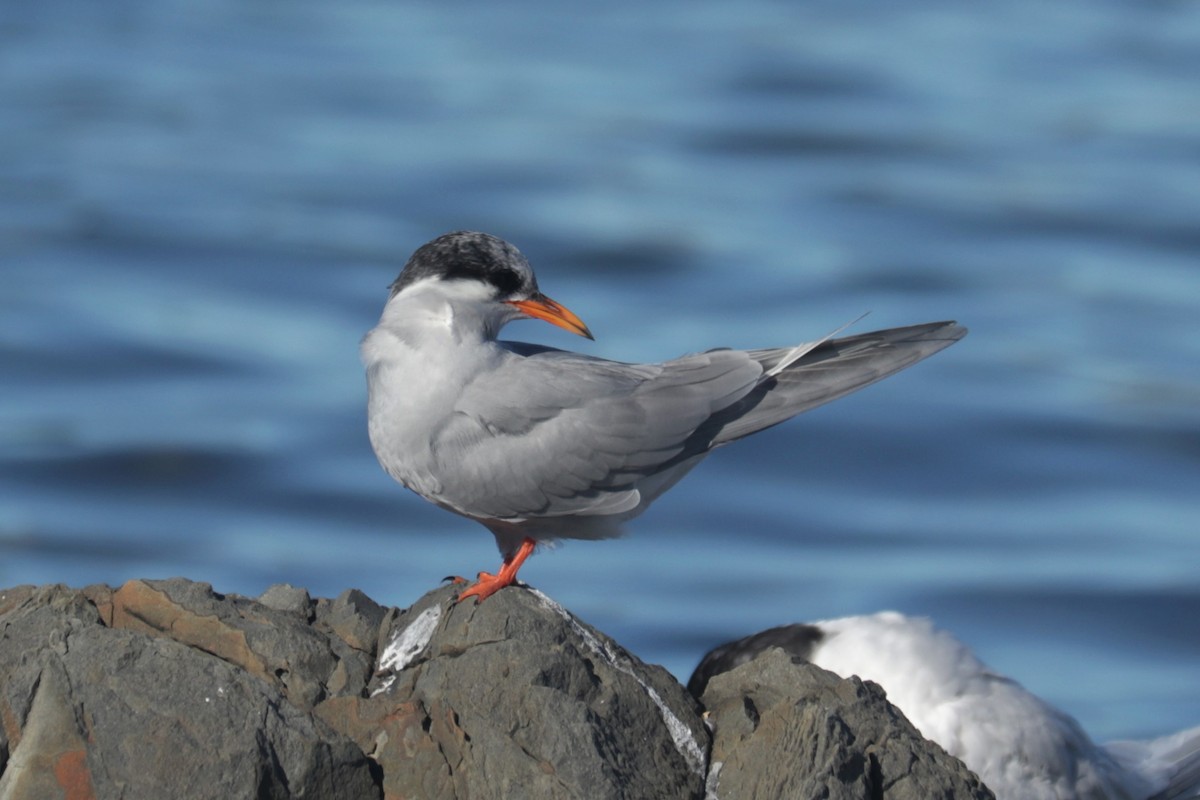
(463, 311)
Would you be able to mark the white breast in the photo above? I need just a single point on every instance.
(418, 359)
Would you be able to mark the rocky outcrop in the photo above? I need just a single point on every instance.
(164, 689)
(168, 689)
(785, 728)
(515, 697)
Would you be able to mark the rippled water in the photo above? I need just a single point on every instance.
(200, 209)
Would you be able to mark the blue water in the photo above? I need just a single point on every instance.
(201, 208)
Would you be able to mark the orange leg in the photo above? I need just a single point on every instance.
(488, 584)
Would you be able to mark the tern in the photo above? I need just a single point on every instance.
(539, 444)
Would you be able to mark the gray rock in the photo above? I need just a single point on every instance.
(785, 728)
(517, 697)
(798, 641)
(168, 689)
(278, 646)
(355, 618)
(285, 597)
(95, 711)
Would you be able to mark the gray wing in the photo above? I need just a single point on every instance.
(554, 433)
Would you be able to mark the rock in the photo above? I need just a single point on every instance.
(169, 689)
(516, 697)
(785, 728)
(355, 618)
(277, 646)
(798, 641)
(95, 711)
(285, 597)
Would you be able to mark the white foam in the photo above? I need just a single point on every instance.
(1017, 743)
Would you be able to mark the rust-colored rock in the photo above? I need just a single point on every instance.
(143, 606)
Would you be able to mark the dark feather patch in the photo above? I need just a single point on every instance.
(468, 255)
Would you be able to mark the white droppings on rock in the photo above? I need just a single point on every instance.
(685, 742)
(710, 783)
(411, 641)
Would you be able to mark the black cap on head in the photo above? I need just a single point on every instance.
(470, 255)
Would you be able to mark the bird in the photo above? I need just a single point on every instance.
(539, 444)
(1019, 745)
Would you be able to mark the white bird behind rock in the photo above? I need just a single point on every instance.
(540, 444)
(1019, 745)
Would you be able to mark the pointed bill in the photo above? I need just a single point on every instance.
(541, 307)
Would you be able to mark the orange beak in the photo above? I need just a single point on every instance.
(541, 307)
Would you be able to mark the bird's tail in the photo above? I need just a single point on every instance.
(796, 379)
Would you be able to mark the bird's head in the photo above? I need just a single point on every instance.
(481, 269)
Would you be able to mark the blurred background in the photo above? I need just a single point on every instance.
(201, 209)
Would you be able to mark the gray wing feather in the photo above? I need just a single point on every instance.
(830, 370)
(564, 434)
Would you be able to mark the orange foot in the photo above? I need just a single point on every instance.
(488, 584)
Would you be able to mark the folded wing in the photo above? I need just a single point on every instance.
(555, 433)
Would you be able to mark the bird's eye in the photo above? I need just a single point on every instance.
(506, 281)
